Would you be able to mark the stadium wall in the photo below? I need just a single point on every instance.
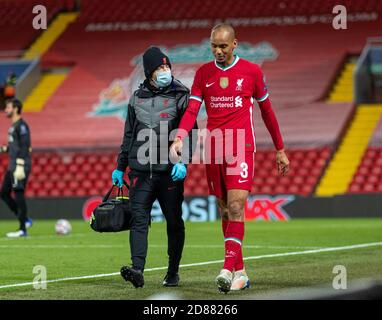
(268, 208)
(29, 79)
(28, 74)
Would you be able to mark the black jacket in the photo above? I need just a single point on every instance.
(19, 144)
(145, 146)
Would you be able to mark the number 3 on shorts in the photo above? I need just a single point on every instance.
(244, 172)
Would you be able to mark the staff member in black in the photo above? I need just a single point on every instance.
(19, 167)
(160, 101)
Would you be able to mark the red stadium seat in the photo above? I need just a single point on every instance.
(306, 190)
(55, 193)
(369, 173)
(87, 173)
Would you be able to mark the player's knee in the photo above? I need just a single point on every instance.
(223, 210)
(236, 209)
(224, 215)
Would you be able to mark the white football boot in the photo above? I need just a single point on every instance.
(240, 281)
(224, 280)
(16, 234)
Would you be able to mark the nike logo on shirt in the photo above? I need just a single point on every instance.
(241, 181)
(209, 84)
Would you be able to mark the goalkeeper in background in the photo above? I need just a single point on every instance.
(19, 167)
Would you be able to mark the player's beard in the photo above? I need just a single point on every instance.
(224, 58)
(220, 58)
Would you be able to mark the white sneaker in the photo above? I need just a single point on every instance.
(224, 280)
(240, 281)
(17, 234)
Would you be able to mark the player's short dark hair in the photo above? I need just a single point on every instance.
(16, 103)
(226, 26)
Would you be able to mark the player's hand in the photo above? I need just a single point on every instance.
(282, 162)
(3, 149)
(19, 173)
(179, 172)
(176, 150)
(117, 178)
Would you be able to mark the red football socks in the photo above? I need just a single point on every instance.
(224, 226)
(239, 265)
(234, 234)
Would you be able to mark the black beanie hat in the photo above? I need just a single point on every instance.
(152, 59)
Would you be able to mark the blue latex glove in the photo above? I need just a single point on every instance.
(117, 178)
(178, 172)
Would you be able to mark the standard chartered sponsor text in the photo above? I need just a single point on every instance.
(223, 102)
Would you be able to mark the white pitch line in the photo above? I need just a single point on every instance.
(275, 255)
(70, 236)
(107, 246)
(61, 246)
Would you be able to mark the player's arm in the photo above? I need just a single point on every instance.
(192, 109)
(193, 133)
(272, 125)
(270, 121)
(189, 117)
(24, 144)
(185, 126)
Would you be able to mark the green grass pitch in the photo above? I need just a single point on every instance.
(87, 253)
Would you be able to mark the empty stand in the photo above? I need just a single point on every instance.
(344, 163)
(297, 80)
(76, 174)
(308, 59)
(43, 90)
(305, 171)
(368, 177)
(146, 10)
(16, 18)
(343, 89)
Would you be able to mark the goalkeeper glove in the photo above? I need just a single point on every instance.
(19, 173)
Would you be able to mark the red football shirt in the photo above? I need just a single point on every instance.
(229, 93)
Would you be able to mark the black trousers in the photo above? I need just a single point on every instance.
(18, 205)
(143, 192)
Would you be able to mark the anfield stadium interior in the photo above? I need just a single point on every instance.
(86, 68)
(75, 75)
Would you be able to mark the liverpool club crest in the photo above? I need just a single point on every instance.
(224, 82)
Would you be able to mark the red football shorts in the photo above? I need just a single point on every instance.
(228, 175)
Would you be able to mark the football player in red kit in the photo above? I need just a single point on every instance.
(228, 86)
